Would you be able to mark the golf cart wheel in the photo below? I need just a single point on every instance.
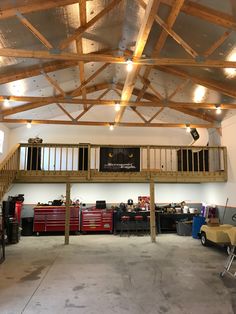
(204, 240)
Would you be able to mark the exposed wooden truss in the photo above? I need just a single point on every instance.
(122, 124)
(175, 66)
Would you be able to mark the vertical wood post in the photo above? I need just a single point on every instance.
(152, 211)
(89, 161)
(67, 216)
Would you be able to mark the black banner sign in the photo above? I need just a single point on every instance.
(113, 159)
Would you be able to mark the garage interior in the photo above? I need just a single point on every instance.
(122, 112)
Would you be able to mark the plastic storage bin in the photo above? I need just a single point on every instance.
(198, 221)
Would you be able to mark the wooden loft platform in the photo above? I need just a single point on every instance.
(82, 163)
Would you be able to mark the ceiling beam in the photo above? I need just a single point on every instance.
(79, 44)
(205, 13)
(209, 83)
(217, 44)
(79, 31)
(172, 33)
(145, 28)
(36, 5)
(175, 9)
(77, 91)
(122, 124)
(33, 30)
(90, 106)
(36, 69)
(65, 111)
(44, 102)
(54, 83)
(93, 57)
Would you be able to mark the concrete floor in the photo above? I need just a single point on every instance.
(110, 274)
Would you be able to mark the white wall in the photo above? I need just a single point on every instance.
(217, 193)
(6, 141)
(101, 135)
(111, 192)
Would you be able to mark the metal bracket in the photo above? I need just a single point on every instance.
(200, 59)
(55, 51)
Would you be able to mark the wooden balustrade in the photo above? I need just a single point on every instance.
(8, 170)
(163, 163)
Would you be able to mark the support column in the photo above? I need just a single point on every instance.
(67, 216)
(152, 211)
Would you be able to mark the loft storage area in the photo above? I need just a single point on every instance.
(96, 161)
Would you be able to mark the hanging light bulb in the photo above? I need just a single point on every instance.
(6, 103)
(188, 129)
(28, 125)
(129, 67)
(117, 107)
(111, 127)
(218, 110)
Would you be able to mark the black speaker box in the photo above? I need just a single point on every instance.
(195, 134)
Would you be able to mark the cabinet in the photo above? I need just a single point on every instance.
(52, 218)
(96, 220)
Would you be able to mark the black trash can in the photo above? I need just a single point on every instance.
(13, 236)
(27, 226)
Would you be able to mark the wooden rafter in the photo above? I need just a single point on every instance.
(172, 33)
(45, 67)
(122, 124)
(209, 83)
(204, 63)
(79, 44)
(216, 44)
(44, 102)
(54, 84)
(90, 106)
(33, 30)
(156, 114)
(179, 88)
(77, 91)
(34, 6)
(79, 32)
(65, 111)
(162, 39)
(143, 34)
(206, 13)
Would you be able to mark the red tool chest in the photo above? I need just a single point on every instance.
(52, 218)
(94, 219)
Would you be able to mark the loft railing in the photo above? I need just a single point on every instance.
(86, 157)
(8, 170)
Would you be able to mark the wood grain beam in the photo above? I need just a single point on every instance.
(122, 124)
(205, 13)
(142, 38)
(172, 33)
(65, 111)
(36, 69)
(217, 44)
(34, 6)
(7, 52)
(175, 9)
(79, 44)
(44, 102)
(33, 30)
(89, 79)
(209, 83)
(54, 84)
(79, 31)
(90, 106)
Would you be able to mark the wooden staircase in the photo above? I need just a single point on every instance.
(8, 170)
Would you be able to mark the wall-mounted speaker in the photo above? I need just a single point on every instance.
(195, 134)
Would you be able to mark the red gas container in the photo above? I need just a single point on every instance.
(18, 208)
